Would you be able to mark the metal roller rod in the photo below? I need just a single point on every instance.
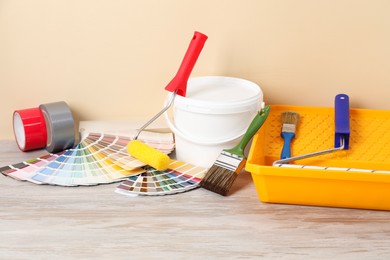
(170, 102)
(299, 157)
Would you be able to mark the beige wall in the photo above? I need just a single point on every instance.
(111, 59)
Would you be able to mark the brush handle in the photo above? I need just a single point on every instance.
(342, 124)
(179, 82)
(286, 150)
(255, 125)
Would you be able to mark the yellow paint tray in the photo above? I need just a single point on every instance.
(354, 178)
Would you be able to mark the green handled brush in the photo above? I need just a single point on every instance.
(230, 162)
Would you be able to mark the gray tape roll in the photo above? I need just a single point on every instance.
(60, 125)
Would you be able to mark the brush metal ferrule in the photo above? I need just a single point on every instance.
(229, 161)
(289, 128)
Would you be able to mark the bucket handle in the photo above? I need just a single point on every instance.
(191, 139)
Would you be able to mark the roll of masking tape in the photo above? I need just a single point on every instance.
(29, 129)
(61, 132)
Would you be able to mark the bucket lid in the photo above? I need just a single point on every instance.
(220, 95)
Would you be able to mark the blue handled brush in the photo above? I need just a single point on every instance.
(289, 123)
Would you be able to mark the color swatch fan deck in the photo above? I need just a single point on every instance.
(97, 159)
(179, 177)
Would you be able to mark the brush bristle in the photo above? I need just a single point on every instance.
(289, 121)
(290, 118)
(218, 180)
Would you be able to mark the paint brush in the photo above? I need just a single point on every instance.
(230, 162)
(289, 123)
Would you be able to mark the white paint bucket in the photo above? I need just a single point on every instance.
(213, 116)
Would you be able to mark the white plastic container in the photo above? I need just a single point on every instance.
(213, 116)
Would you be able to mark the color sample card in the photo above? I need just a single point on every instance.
(179, 177)
(98, 158)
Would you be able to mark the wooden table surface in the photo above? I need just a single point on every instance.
(47, 222)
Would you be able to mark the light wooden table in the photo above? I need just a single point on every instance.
(49, 222)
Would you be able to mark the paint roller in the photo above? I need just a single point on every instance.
(178, 86)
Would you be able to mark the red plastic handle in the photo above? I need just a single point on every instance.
(179, 82)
